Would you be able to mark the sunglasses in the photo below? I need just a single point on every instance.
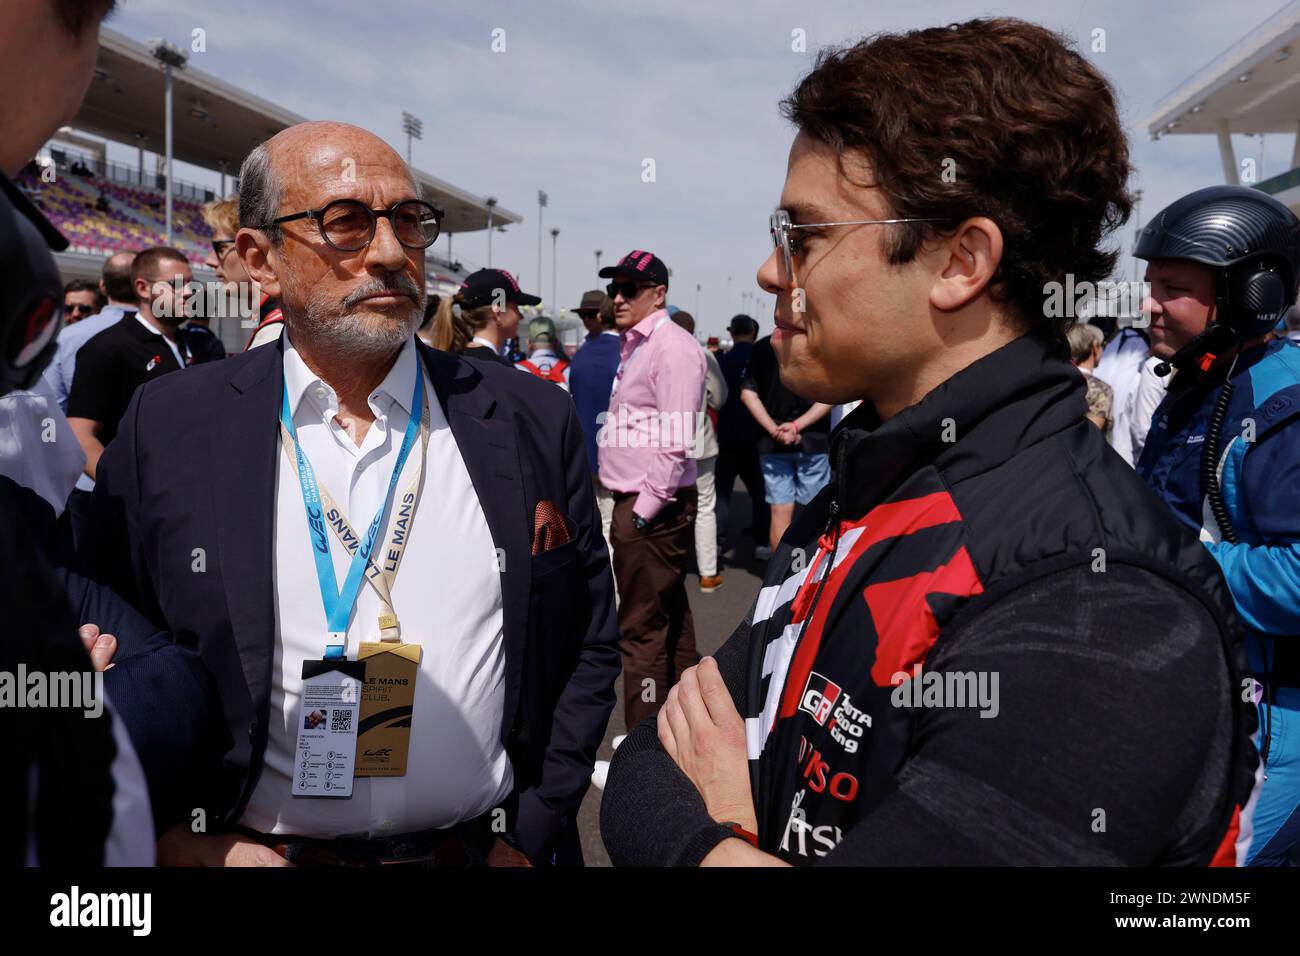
(628, 290)
(781, 226)
(222, 246)
(77, 309)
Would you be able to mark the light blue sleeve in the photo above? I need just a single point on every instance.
(1265, 584)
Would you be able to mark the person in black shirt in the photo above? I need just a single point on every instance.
(793, 452)
(138, 349)
(201, 342)
(738, 436)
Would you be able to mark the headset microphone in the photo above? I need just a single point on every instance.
(1200, 351)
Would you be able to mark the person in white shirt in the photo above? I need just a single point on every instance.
(705, 453)
(488, 573)
(1144, 401)
(1120, 368)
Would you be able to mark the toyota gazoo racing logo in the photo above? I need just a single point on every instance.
(819, 697)
(826, 701)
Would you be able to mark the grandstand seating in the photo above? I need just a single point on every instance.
(135, 217)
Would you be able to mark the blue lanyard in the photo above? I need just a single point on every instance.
(338, 604)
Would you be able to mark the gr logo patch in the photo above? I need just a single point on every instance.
(819, 697)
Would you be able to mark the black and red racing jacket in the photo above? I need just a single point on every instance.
(985, 642)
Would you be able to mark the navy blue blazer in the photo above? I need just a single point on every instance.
(154, 680)
(194, 466)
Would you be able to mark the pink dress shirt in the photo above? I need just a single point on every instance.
(648, 432)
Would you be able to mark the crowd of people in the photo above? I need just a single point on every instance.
(361, 594)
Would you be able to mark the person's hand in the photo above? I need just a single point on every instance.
(100, 647)
(702, 731)
(787, 433)
(503, 854)
(180, 846)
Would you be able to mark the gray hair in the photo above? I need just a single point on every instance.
(1083, 337)
(260, 193)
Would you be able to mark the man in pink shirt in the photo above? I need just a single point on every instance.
(643, 443)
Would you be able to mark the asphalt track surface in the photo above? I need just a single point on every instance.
(716, 616)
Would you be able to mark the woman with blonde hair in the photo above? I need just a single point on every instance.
(486, 314)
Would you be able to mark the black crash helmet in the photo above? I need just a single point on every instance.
(1249, 235)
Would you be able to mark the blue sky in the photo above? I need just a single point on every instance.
(586, 90)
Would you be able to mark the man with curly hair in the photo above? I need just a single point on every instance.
(985, 641)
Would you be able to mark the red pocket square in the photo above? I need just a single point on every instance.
(550, 530)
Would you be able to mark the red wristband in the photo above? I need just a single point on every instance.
(746, 835)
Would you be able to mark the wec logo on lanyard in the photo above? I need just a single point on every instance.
(328, 722)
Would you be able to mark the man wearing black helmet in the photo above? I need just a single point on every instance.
(1224, 449)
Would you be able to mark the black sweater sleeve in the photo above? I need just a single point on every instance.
(650, 813)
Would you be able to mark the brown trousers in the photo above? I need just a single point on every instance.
(654, 614)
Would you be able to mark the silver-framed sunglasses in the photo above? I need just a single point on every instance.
(781, 227)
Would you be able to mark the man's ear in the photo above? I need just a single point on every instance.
(967, 261)
(254, 251)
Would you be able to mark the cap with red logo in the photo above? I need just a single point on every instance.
(639, 266)
(488, 286)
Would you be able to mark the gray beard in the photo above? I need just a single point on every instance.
(348, 336)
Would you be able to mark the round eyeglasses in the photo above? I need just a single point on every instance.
(349, 224)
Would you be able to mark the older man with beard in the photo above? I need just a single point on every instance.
(351, 509)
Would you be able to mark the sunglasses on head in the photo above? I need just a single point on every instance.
(628, 290)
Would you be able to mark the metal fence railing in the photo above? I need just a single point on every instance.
(69, 162)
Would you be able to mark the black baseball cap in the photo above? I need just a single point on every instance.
(639, 266)
(480, 289)
(743, 325)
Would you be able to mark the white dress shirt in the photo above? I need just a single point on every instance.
(1120, 367)
(447, 595)
(37, 447)
(1146, 398)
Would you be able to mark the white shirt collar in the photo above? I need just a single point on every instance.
(397, 385)
(139, 317)
(484, 342)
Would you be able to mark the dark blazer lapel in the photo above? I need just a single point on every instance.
(244, 444)
(488, 446)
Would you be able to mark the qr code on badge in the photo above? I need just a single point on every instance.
(341, 721)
